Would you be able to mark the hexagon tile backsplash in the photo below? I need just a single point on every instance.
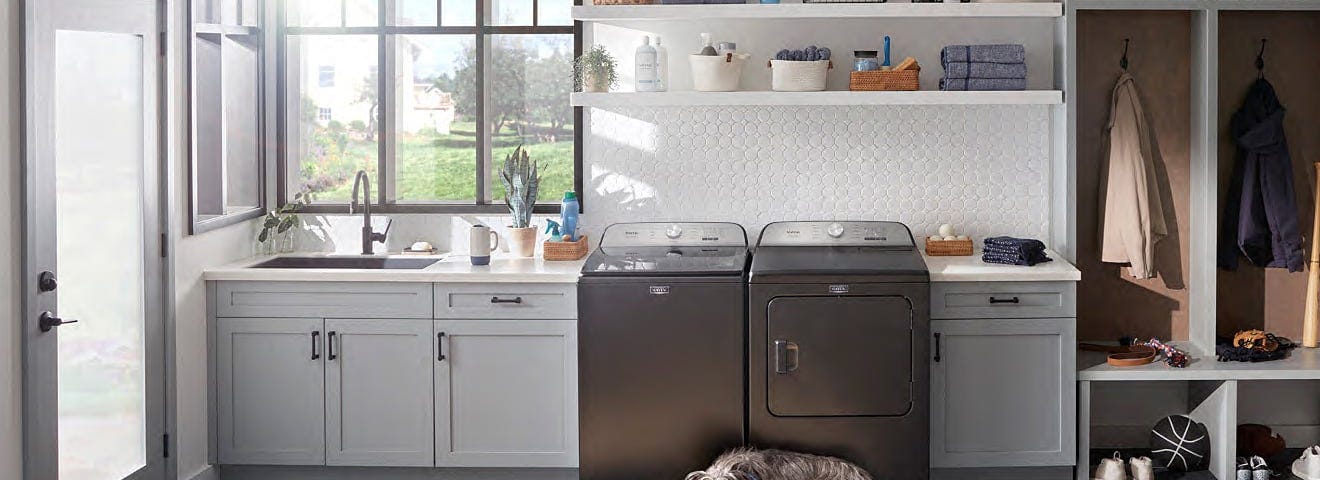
(983, 168)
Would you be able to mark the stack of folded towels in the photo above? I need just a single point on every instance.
(984, 67)
(1014, 251)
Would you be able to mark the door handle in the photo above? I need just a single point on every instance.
(330, 345)
(994, 300)
(316, 345)
(783, 350)
(48, 321)
(505, 300)
(440, 347)
(937, 347)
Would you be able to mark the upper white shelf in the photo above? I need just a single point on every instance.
(1301, 364)
(925, 97)
(618, 13)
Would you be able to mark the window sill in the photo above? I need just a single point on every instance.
(451, 209)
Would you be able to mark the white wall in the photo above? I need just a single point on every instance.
(192, 254)
(11, 360)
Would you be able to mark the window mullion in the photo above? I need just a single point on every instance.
(484, 194)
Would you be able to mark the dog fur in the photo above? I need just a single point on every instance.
(753, 464)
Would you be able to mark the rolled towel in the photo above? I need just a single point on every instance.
(1001, 53)
(985, 70)
(982, 84)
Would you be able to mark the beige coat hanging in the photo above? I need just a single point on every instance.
(1133, 215)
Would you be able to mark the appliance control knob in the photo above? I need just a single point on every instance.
(674, 231)
(834, 230)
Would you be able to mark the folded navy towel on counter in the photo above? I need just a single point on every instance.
(985, 70)
(982, 84)
(1001, 53)
(1014, 251)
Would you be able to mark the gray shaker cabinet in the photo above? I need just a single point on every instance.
(270, 391)
(378, 392)
(1003, 392)
(506, 393)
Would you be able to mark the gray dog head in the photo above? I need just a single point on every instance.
(752, 464)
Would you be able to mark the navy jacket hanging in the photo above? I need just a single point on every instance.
(1260, 213)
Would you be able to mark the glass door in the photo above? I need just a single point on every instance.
(94, 403)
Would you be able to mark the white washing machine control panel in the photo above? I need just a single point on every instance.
(837, 234)
(659, 234)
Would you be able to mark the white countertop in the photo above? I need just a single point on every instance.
(972, 269)
(450, 269)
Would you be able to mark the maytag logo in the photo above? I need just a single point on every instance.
(838, 289)
(659, 290)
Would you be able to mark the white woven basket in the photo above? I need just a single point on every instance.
(717, 73)
(792, 76)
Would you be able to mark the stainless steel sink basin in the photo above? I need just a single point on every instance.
(370, 263)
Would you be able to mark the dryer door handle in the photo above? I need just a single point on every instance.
(786, 356)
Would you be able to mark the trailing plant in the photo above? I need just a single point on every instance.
(284, 218)
(522, 178)
(599, 65)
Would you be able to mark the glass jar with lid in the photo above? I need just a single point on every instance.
(866, 60)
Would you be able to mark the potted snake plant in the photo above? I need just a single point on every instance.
(521, 177)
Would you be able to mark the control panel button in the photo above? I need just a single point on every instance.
(674, 231)
(835, 230)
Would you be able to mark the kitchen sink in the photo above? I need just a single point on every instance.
(371, 263)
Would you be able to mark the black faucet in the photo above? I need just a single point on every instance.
(368, 236)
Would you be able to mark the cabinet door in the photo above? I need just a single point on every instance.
(1003, 392)
(506, 393)
(271, 391)
(378, 393)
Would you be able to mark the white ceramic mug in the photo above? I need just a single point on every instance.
(483, 242)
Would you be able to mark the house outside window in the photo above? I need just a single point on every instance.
(428, 97)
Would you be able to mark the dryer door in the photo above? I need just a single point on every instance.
(839, 356)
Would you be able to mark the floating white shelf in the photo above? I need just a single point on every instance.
(927, 97)
(608, 13)
(1301, 364)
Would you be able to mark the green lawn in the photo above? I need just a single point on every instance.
(433, 167)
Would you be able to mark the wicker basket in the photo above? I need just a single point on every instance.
(948, 248)
(624, 2)
(882, 80)
(565, 251)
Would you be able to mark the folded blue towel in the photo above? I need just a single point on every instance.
(985, 70)
(1007, 259)
(982, 84)
(1002, 53)
(1014, 251)
(1019, 244)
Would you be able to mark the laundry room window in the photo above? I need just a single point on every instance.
(427, 96)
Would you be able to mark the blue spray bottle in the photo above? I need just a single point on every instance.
(552, 228)
(886, 64)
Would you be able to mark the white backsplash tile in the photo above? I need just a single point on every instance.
(985, 169)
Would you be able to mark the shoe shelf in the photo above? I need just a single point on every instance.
(1301, 364)
(793, 11)
(927, 97)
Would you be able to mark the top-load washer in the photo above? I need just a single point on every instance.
(661, 349)
(838, 321)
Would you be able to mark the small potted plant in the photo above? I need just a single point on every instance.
(277, 228)
(521, 178)
(594, 71)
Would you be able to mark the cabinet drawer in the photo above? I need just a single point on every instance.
(509, 301)
(1003, 300)
(323, 300)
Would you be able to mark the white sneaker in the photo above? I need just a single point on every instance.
(1307, 467)
(1259, 470)
(1142, 468)
(1243, 469)
(1111, 469)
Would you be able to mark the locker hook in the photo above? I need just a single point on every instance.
(1260, 59)
(1123, 62)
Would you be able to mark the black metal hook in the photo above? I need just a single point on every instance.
(1260, 59)
(1123, 62)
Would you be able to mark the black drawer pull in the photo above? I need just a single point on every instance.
(440, 347)
(316, 345)
(937, 347)
(994, 300)
(505, 300)
(330, 340)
